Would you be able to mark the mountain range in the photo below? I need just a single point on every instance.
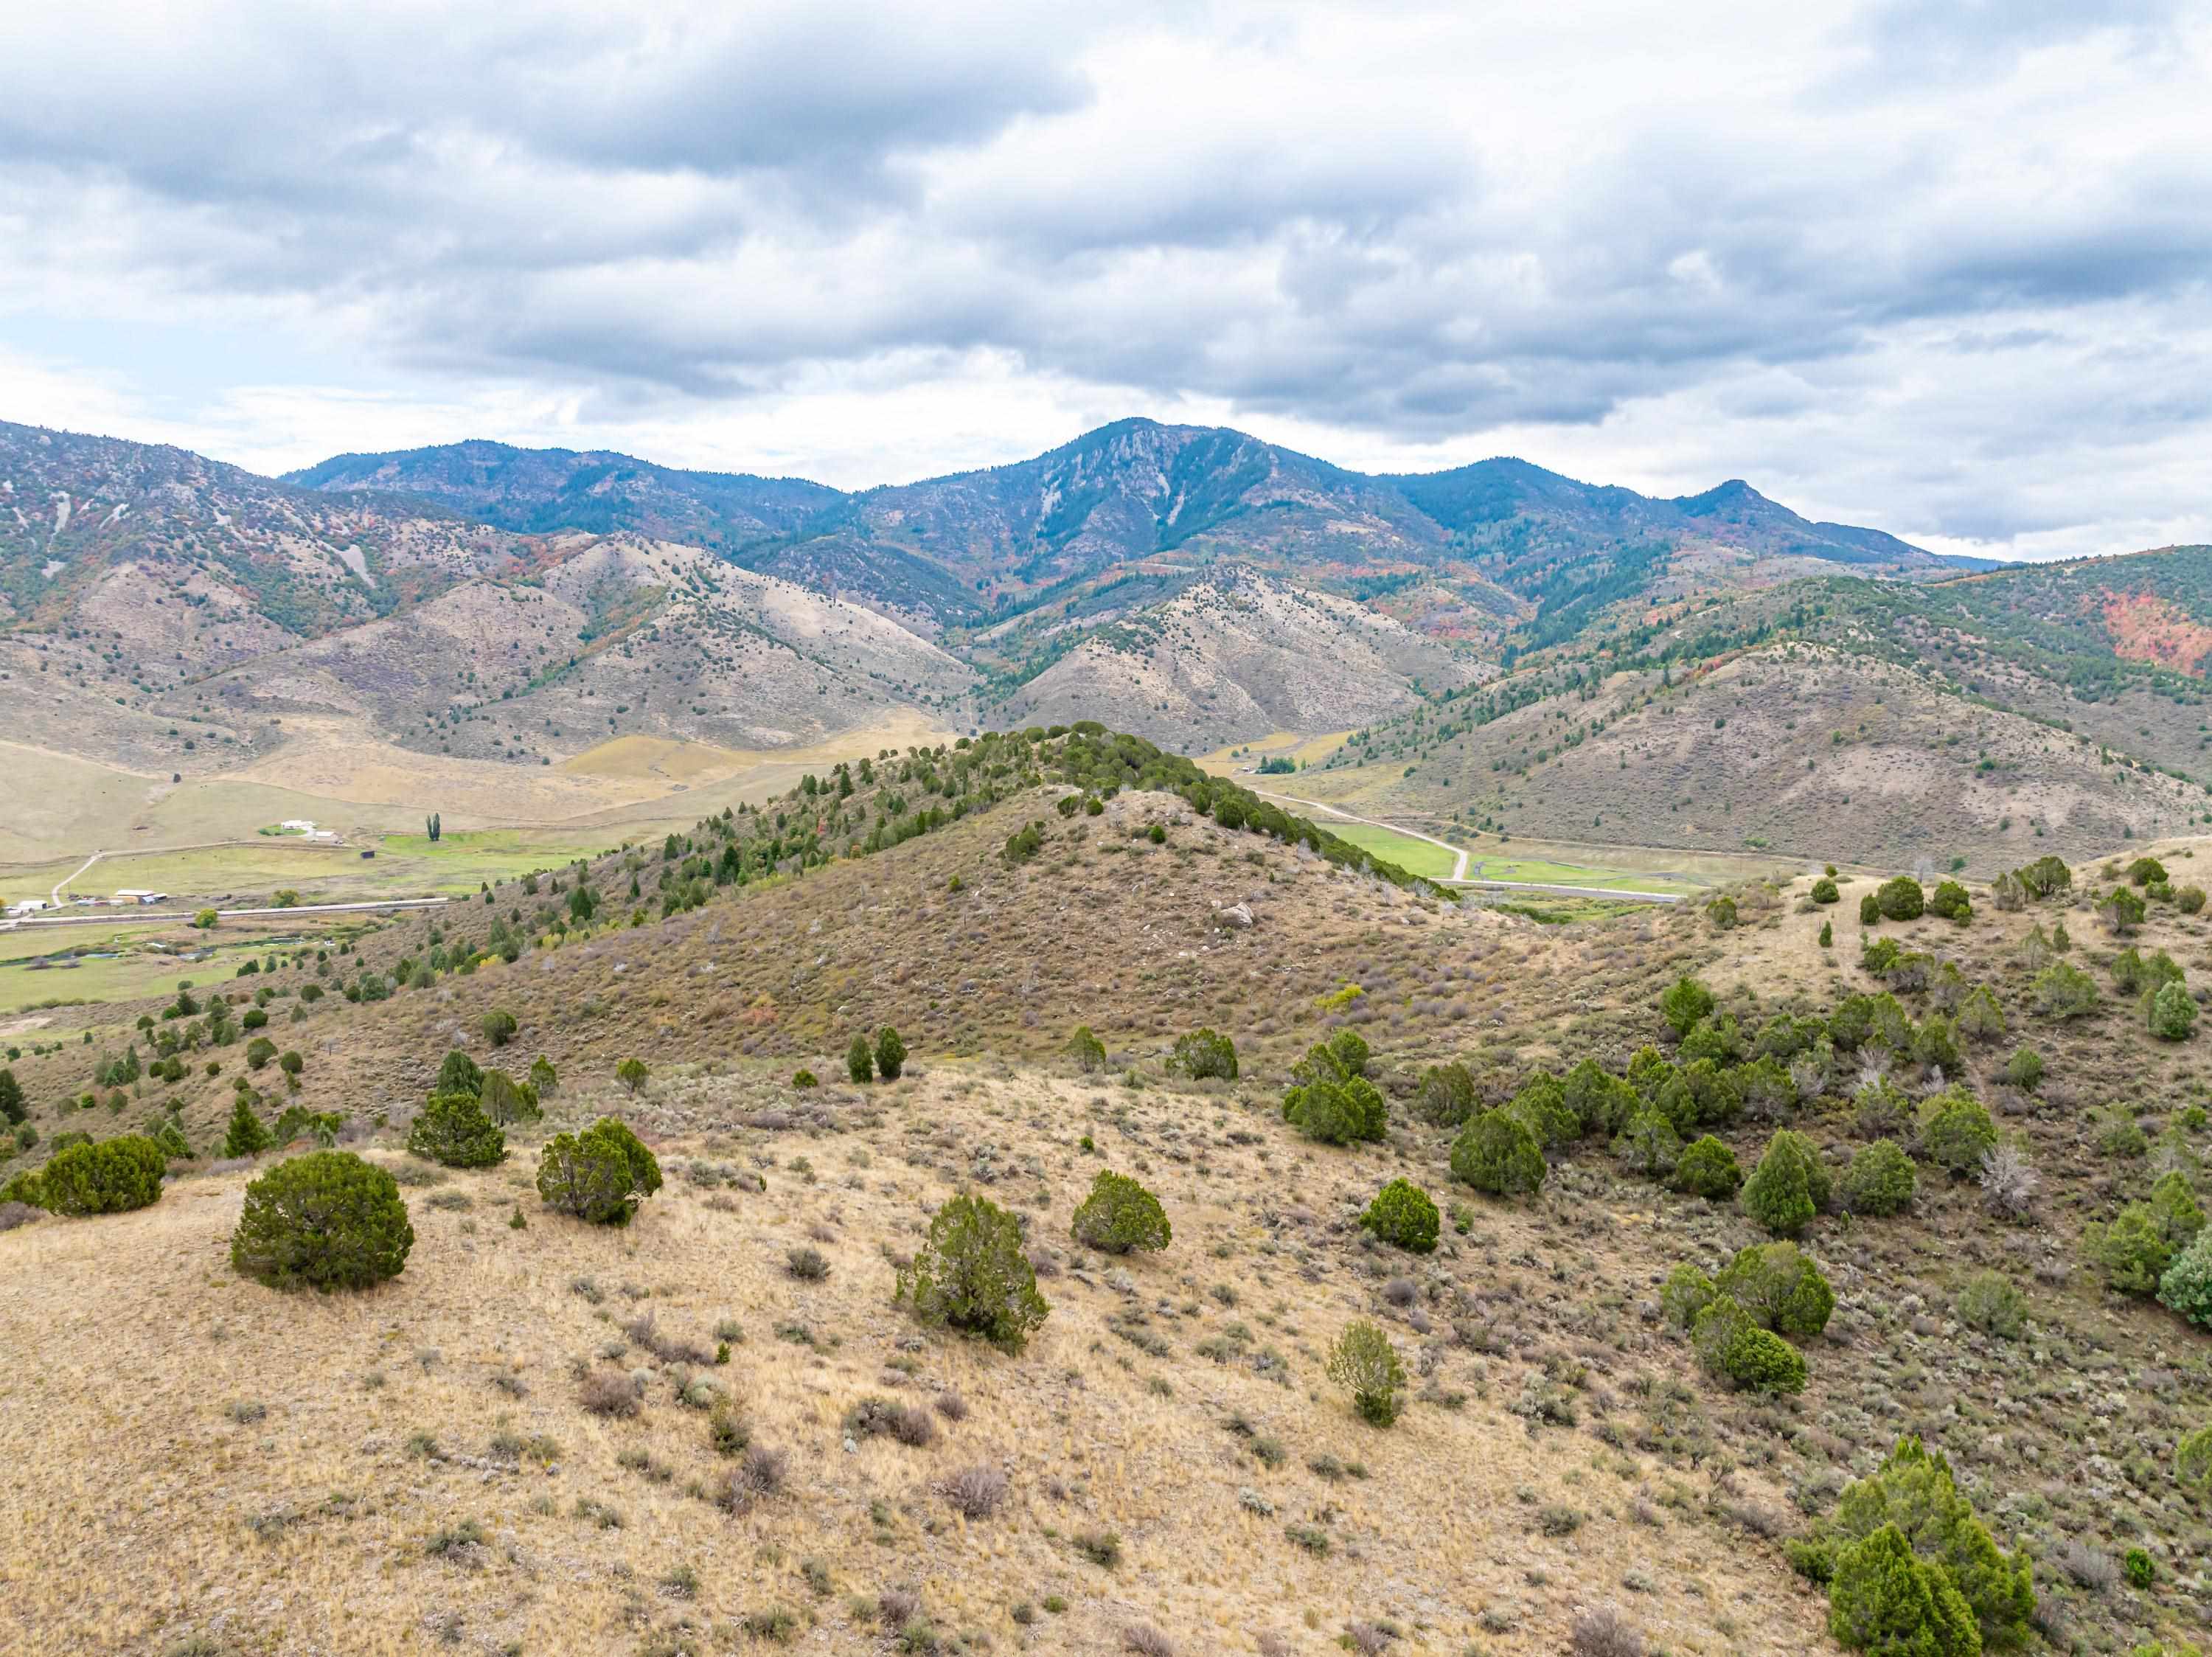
(1126, 492)
(1197, 586)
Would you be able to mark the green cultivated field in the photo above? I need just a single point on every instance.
(1414, 856)
(1434, 863)
(459, 862)
(1557, 874)
(406, 865)
(105, 976)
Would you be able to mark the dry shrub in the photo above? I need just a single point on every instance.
(977, 1492)
(668, 1349)
(952, 1405)
(896, 1607)
(2089, 1567)
(610, 1392)
(758, 1476)
(12, 1214)
(908, 1424)
(1604, 1632)
(1147, 1641)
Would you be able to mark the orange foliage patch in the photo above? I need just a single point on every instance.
(2146, 628)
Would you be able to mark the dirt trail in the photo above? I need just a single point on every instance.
(1459, 868)
(66, 879)
(1459, 875)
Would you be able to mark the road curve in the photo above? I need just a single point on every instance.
(1459, 868)
(66, 879)
(1458, 876)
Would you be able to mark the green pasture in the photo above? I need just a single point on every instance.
(1414, 856)
(406, 865)
(115, 971)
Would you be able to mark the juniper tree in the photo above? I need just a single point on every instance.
(246, 1136)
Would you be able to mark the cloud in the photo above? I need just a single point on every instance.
(1652, 246)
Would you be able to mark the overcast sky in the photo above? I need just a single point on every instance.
(1940, 268)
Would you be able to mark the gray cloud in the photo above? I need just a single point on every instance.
(1407, 226)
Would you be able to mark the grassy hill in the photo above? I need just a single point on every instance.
(1233, 654)
(427, 1454)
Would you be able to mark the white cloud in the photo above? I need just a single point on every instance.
(1937, 266)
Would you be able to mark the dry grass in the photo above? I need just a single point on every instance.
(1166, 1455)
(331, 1506)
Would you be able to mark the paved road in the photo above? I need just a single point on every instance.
(121, 917)
(1459, 877)
(66, 879)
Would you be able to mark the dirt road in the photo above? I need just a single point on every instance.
(1459, 875)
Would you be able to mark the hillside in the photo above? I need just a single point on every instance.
(615, 634)
(428, 1444)
(1804, 750)
(1236, 656)
(1988, 718)
(174, 614)
(104, 530)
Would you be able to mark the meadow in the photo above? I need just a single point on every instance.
(116, 969)
(1414, 856)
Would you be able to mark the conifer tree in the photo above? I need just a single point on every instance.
(246, 1135)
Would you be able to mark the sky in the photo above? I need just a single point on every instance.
(1937, 267)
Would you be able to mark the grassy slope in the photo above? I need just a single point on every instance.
(1678, 1491)
(315, 1525)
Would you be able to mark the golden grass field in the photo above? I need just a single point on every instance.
(1300, 746)
(332, 772)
